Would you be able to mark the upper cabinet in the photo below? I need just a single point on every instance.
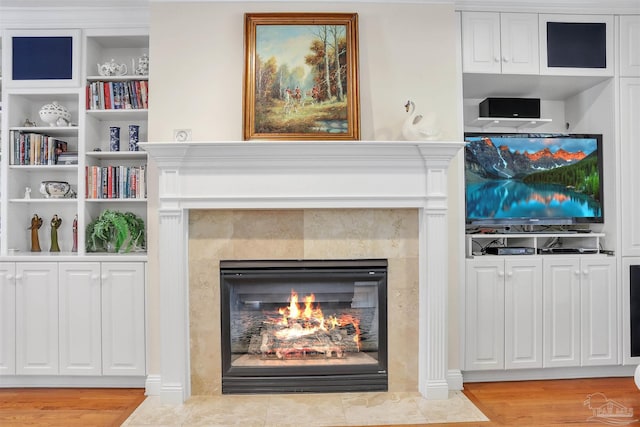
(540, 44)
(576, 45)
(630, 46)
(500, 43)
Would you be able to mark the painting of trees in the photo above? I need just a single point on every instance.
(302, 77)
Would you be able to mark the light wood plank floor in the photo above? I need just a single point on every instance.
(522, 403)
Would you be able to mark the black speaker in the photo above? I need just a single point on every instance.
(525, 108)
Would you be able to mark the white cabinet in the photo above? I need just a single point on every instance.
(504, 309)
(540, 312)
(580, 326)
(80, 318)
(484, 312)
(7, 318)
(630, 46)
(561, 312)
(36, 318)
(523, 313)
(73, 318)
(500, 43)
(629, 170)
(123, 318)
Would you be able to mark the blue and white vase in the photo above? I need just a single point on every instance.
(133, 137)
(114, 138)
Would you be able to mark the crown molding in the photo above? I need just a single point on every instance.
(552, 6)
(66, 15)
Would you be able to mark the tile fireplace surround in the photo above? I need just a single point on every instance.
(319, 176)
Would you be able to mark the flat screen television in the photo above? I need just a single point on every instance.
(533, 179)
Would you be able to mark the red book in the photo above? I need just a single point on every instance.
(107, 96)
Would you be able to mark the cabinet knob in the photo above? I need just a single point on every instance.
(94, 277)
(9, 276)
(18, 276)
(496, 59)
(505, 59)
(510, 274)
(104, 277)
(585, 272)
(501, 273)
(577, 272)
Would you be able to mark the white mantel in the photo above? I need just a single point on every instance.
(301, 174)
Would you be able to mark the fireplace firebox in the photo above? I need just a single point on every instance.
(304, 326)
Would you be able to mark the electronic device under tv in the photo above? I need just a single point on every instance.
(533, 179)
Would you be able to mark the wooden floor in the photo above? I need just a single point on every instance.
(523, 403)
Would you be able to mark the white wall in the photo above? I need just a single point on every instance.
(407, 51)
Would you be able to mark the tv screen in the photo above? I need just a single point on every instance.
(546, 179)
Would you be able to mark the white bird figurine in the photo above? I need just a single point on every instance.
(418, 127)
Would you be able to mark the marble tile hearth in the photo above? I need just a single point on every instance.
(327, 409)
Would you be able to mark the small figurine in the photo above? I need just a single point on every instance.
(28, 123)
(75, 234)
(55, 224)
(27, 193)
(36, 223)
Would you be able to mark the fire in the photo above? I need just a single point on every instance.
(300, 321)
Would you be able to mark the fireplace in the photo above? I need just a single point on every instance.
(303, 326)
(281, 175)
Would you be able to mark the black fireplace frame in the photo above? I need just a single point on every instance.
(310, 379)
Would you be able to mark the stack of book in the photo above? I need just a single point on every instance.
(116, 182)
(30, 148)
(132, 94)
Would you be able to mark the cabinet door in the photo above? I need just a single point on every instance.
(481, 42)
(80, 329)
(519, 43)
(36, 318)
(523, 313)
(561, 311)
(630, 172)
(598, 294)
(7, 318)
(630, 46)
(123, 318)
(484, 329)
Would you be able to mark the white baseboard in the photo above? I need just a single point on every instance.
(152, 385)
(548, 373)
(454, 379)
(11, 381)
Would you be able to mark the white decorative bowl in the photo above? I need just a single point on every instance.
(55, 114)
(55, 189)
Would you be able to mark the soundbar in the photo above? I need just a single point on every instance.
(510, 250)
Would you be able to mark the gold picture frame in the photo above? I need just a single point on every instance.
(301, 76)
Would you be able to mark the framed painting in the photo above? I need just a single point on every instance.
(301, 76)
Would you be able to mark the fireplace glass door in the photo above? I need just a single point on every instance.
(303, 325)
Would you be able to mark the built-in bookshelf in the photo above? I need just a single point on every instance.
(77, 152)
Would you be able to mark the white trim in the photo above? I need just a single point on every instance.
(152, 385)
(548, 373)
(303, 174)
(74, 17)
(455, 379)
(12, 381)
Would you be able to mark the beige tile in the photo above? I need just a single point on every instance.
(458, 408)
(382, 408)
(243, 410)
(305, 410)
(153, 413)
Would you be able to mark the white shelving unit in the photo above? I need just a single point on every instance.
(87, 293)
(475, 243)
